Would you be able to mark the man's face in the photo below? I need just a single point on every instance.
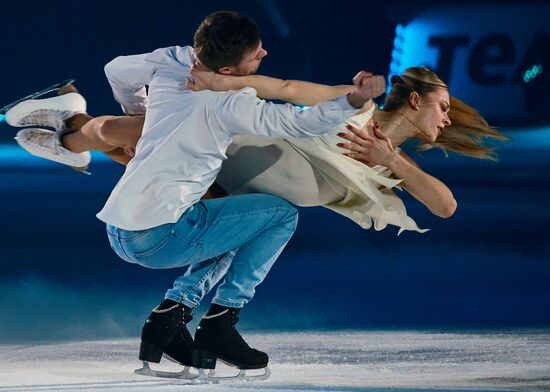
(249, 64)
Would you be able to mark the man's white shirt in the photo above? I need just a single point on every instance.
(186, 134)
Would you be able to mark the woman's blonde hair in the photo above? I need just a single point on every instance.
(468, 129)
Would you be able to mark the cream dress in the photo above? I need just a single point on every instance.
(313, 172)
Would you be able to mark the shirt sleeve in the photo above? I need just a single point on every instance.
(128, 76)
(242, 112)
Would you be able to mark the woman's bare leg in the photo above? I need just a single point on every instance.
(118, 155)
(105, 133)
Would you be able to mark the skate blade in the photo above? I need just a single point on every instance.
(203, 377)
(36, 95)
(83, 170)
(212, 378)
(185, 374)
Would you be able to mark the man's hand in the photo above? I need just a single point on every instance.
(367, 87)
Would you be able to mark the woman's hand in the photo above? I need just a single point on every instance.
(204, 79)
(368, 145)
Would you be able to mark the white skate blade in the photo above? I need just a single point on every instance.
(37, 94)
(42, 143)
(248, 375)
(203, 376)
(185, 374)
(48, 112)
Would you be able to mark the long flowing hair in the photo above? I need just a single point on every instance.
(468, 130)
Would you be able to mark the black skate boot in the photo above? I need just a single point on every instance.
(217, 337)
(165, 332)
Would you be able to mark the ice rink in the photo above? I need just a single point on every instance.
(312, 361)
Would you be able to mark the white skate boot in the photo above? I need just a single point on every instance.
(47, 144)
(48, 112)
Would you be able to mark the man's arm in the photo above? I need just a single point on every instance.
(128, 76)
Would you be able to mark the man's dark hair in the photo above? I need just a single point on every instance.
(223, 38)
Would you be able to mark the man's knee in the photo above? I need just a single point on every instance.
(289, 212)
(294, 217)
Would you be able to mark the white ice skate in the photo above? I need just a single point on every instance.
(47, 144)
(205, 376)
(36, 94)
(47, 112)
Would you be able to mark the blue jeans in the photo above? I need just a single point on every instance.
(237, 238)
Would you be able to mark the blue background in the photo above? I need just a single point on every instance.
(485, 267)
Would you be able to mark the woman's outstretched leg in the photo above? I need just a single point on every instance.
(104, 133)
(116, 136)
(77, 135)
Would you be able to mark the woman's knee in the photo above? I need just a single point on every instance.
(106, 129)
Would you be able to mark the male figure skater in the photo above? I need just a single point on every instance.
(154, 215)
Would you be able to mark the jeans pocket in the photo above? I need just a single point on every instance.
(129, 236)
(156, 247)
(195, 215)
(171, 251)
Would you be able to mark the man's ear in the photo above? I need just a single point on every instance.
(225, 70)
(414, 100)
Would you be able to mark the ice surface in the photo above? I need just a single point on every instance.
(312, 361)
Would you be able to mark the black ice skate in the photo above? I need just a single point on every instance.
(165, 333)
(217, 338)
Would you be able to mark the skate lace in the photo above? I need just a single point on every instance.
(186, 318)
(46, 117)
(43, 139)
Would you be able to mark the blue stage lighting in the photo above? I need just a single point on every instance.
(394, 67)
(400, 30)
(532, 73)
(398, 42)
(2, 117)
(397, 53)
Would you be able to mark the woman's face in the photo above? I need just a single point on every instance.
(432, 115)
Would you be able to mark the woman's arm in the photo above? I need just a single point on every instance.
(375, 148)
(294, 91)
(430, 191)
